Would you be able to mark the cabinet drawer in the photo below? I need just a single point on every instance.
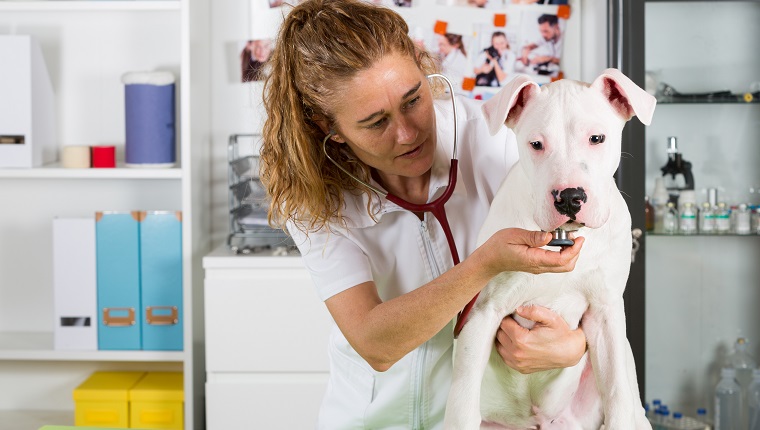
(249, 401)
(263, 320)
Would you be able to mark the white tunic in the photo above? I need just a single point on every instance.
(401, 253)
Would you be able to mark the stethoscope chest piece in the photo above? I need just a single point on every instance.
(559, 238)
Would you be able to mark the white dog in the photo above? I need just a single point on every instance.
(569, 136)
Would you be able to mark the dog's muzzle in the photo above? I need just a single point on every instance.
(568, 201)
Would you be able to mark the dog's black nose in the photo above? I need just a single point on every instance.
(568, 201)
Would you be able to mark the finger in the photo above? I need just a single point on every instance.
(539, 314)
(534, 239)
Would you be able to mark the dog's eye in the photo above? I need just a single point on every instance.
(596, 139)
(537, 145)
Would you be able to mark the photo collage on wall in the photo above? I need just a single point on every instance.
(501, 39)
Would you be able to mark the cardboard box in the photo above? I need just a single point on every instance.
(27, 109)
(157, 401)
(74, 284)
(161, 280)
(118, 278)
(102, 400)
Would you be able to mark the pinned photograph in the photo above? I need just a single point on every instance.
(541, 40)
(495, 55)
(253, 57)
(452, 57)
(538, 1)
(275, 3)
(482, 4)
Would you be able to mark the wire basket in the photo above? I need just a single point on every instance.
(249, 229)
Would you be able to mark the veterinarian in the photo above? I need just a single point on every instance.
(348, 70)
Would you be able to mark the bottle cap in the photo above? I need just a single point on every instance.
(687, 196)
(677, 415)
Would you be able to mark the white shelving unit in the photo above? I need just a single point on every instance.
(87, 46)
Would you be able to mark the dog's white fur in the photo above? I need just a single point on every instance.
(601, 391)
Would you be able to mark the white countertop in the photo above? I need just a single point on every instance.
(223, 258)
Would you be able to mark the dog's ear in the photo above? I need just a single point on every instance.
(506, 106)
(626, 97)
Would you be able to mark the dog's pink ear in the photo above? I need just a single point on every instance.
(507, 105)
(625, 96)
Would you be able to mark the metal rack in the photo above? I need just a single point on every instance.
(249, 230)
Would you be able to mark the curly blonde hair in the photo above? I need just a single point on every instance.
(322, 44)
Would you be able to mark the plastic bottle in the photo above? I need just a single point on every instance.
(660, 199)
(727, 401)
(670, 220)
(753, 402)
(687, 220)
(743, 363)
(706, 219)
(677, 421)
(722, 219)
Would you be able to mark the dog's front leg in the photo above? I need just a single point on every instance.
(604, 325)
(470, 359)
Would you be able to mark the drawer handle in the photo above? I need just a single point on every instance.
(118, 320)
(162, 318)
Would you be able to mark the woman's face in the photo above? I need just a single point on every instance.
(385, 115)
(444, 47)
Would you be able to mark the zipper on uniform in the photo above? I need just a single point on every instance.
(422, 351)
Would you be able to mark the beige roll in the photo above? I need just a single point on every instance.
(76, 157)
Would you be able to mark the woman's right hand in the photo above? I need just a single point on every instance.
(518, 250)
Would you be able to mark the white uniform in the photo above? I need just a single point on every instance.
(401, 253)
(455, 66)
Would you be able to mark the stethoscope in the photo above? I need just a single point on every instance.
(436, 207)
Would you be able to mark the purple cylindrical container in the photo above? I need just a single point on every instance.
(150, 118)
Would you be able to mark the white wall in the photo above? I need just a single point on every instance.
(236, 107)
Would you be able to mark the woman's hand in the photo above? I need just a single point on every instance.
(550, 344)
(518, 250)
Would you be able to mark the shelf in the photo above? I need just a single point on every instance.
(107, 5)
(55, 171)
(32, 420)
(650, 234)
(734, 99)
(39, 347)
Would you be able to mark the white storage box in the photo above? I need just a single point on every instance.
(27, 106)
(74, 284)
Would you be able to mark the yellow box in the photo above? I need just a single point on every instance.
(157, 401)
(103, 399)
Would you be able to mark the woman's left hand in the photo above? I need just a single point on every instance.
(550, 344)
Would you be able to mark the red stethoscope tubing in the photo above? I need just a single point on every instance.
(436, 207)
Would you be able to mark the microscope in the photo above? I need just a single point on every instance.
(679, 170)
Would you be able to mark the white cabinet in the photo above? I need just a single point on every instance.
(266, 343)
(87, 46)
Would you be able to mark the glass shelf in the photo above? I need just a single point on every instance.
(732, 99)
(649, 233)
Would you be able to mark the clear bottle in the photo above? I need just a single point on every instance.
(722, 219)
(677, 421)
(706, 219)
(727, 401)
(702, 417)
(742, 218)
(670, 220)
(753, 402)
(744, 364)
(687, 219)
